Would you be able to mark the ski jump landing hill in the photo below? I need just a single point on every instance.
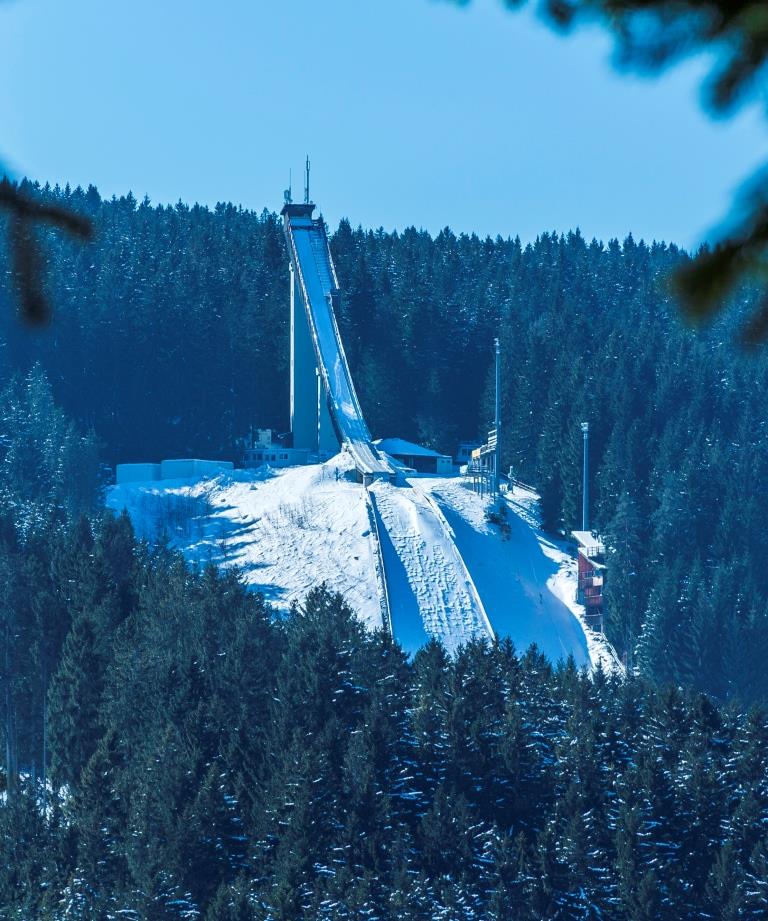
(423, 580)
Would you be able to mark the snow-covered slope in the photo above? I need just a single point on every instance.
(430, 594)
(290, 530)
(527, 581)
(287, 530)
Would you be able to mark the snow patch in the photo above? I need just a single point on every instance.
(430, 592)
(286, 530)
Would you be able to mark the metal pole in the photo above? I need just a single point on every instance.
(497, 422)
(585, 486)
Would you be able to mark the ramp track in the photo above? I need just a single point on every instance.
(318, 286)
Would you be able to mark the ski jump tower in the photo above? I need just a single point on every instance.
(325, 411)
(311, 424)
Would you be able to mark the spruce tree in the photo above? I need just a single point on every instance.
(75, 725)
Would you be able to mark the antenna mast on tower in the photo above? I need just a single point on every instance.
(306, 184)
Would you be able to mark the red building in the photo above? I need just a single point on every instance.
(591, 573)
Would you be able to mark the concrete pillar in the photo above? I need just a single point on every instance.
(327, 442)
(304, 423)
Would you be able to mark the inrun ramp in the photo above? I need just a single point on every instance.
(325, 410)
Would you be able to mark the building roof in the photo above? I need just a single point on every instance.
(405, 448)
(583, 537)
(588, 542)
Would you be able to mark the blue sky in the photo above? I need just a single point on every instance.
(413, 112)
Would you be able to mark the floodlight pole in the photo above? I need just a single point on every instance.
(497, 421)
(585, 486)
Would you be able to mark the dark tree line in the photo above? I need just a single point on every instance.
(49, 476)
(171, 332)
(171, 339)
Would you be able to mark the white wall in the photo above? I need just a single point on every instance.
(185, 468)
(136, 473)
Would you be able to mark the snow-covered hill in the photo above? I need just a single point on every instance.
(527, 580)
(292, 529)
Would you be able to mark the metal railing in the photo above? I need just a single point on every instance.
(381, 573)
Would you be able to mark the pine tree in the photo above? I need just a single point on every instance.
(724, 898)
(74, 701)
(232, 902)
(100, 815)
(623, 594)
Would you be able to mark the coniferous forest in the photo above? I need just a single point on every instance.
(207, 760)
(174, 750)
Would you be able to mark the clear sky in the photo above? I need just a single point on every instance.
(413, 112)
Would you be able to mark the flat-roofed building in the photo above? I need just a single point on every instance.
(418, 458)
(185, 468)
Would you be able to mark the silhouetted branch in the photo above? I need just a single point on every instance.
(24, 214)
(704, 283)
